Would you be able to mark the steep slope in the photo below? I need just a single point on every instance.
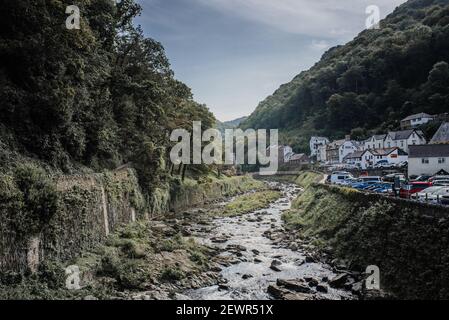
(369, 84)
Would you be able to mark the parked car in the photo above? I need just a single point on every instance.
(383, 164)
(437, 196)
(392, 177)
(339, 177)
(441, 183)
(421, 178)
(438, 178)
(424, 194)
(402, 165)
(408, 190)
(370, 179)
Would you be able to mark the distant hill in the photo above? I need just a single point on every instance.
(369, 84)
(222, 126)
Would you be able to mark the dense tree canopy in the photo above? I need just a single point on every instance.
(97, 97)
(371, 83)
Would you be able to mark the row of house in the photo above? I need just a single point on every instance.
(393, 147)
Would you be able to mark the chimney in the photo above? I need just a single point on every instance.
(348, 137)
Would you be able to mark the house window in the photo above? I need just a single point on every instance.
(441, 160)
(402, 144)
(425, 160)
(413, 142)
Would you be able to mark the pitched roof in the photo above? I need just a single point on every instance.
(404, 134)
(429, 151)
(354, 155)
(387, 151)
(442, 135)
(417, 116)
(380, 136)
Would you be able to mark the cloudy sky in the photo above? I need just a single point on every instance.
(234, 53)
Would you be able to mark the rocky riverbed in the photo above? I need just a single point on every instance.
(258, 259)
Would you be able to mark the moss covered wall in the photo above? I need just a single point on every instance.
(183, 196)
(409, 241)
(87, 209)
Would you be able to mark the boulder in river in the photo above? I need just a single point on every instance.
(339, 281)
(275, 265)
(293, 285)
(322, 288)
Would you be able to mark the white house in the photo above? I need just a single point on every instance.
(392, 155)
(316, 143)
(404, 139)
(416, 120)
(363, 159)
(322, 154)
(375, 142)
(346, 148)
(428, 159)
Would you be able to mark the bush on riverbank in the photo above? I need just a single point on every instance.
(408, 241)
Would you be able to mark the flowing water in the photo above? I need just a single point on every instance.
(249, 277)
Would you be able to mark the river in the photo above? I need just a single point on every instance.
(250, 274)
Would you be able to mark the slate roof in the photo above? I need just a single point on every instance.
(380, 136)
(405, 134)
(429, 151)
(387, 151)
(354, 155)
(442, 135)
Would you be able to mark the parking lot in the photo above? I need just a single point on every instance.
(429, 189)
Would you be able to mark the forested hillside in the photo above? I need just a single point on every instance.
(369, 84)
(88, 99)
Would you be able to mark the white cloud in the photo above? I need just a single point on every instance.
(324, 18)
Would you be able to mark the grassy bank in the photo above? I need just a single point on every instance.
(133, 259)
(408, 241)
(248, 203)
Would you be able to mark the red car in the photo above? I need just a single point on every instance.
(412, 188)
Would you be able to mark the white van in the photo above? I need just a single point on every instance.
(340, 177)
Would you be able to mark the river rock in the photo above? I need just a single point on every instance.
(219, 240)
(223, 287)
(294, 285)
(310, 259)
(247, 276)
(255, 252)
(339, 281)
(276, 292)
(313, 282)
(322, 288)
